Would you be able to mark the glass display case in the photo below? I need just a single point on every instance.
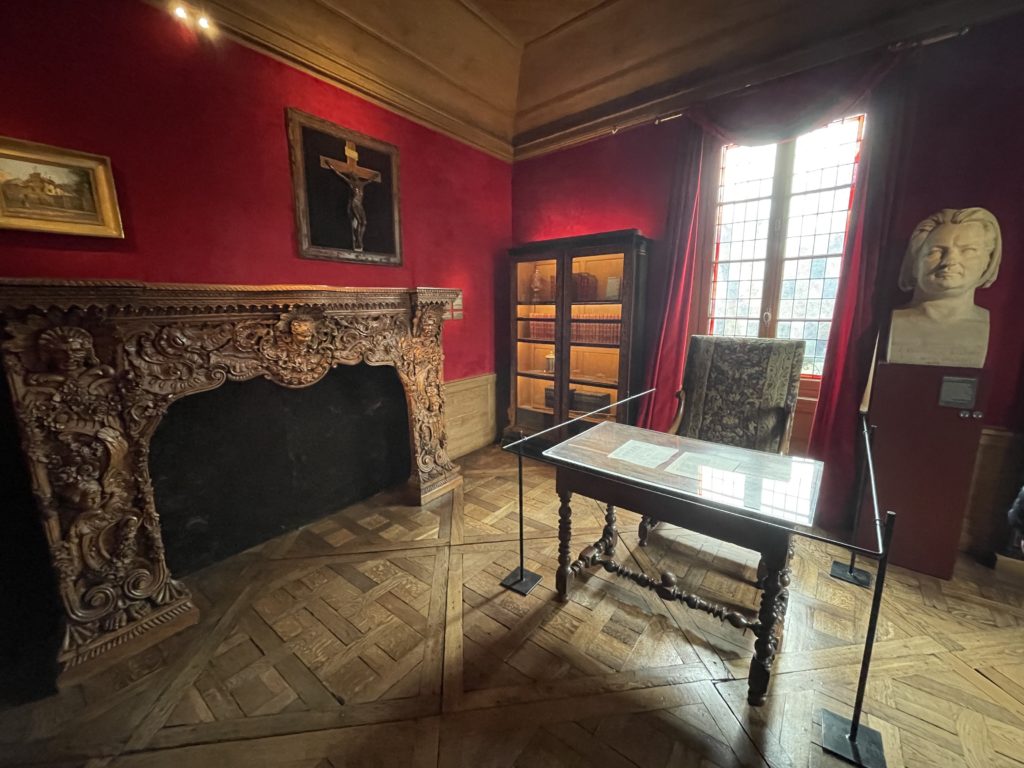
(577, 328)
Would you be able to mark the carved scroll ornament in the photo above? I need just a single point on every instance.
(92, 369)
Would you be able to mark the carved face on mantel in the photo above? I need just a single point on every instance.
(302, 329)
(67, 350)
(429, 322)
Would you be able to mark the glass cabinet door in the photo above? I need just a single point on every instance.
(536, 325)
(595, 293)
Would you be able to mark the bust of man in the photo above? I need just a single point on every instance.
(951, 254)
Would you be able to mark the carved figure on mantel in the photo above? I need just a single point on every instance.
(105, 548)
(951, 254)
(69, 354)
(357, 178)
(419, 371)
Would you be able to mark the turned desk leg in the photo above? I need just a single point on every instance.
(647, 525)
(564, 573)
(772, 615)
(610, 533)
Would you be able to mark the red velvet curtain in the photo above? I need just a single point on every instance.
(869, 264)
(676, 275)
(783, 109)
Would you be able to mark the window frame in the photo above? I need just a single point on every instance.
(781, 196)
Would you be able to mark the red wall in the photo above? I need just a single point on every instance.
(618, 182)
(966, 149)
(195, 130)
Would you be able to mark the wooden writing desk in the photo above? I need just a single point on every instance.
(744, 497)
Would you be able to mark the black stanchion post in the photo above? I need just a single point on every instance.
(522, 540)
(844, 738)
(851, 573)
(521, 580)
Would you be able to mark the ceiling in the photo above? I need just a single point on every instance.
(527, 20)
(518, 78)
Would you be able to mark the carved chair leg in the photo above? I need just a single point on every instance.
(772, 615)
(610, 533)
(647, 524)
(564, 573)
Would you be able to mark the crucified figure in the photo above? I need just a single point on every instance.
(357, 178)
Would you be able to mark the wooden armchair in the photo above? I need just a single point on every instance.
(738, 391)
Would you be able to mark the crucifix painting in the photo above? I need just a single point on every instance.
(346, 192)
(356, 178)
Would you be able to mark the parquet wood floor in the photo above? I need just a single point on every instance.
(379, 636)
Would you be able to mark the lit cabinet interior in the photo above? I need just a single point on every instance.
(577, 328)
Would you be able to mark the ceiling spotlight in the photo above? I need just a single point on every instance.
(180, 12)
(204, 22)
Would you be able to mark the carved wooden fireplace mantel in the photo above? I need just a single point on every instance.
(93, 366)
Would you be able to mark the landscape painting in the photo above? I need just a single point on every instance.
(48, 189)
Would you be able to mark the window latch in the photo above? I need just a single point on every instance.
(766, 318)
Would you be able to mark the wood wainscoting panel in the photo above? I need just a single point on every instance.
(471, 414)
(997, 478)
(803, 418)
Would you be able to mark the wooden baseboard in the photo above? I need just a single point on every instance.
(1010, 568)
(998, 473)
(470, 413)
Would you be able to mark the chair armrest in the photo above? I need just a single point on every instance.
(677, 420)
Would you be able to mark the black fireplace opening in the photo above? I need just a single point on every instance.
(248, 461)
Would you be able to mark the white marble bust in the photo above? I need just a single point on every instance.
(951, 254)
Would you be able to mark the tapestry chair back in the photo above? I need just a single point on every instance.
(740, 391)
(737, 391)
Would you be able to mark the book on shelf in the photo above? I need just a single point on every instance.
(606, 332)
(541, 328)
(584, 286)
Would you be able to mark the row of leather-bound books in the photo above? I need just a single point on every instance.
(605, 332)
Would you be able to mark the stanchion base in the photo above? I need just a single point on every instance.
(867, 751)
(857, 576)
(521, 581)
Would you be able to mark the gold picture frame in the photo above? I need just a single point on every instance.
(49, 189)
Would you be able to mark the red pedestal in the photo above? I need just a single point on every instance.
(924, 457)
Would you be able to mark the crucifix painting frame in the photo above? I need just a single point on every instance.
(345, 190)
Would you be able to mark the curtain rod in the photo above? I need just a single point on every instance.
(903, 45)
(906, 45)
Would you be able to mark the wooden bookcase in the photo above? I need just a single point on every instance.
(577, 328)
